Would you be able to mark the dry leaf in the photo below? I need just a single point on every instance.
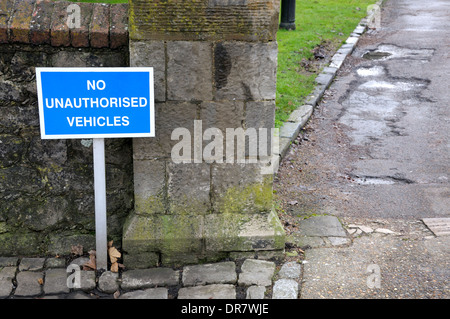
(41, 281)
(77, 250)
(116, 294)
(91, 264)
(113, 254)
(115, 267)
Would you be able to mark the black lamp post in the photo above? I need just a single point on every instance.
(287, 14)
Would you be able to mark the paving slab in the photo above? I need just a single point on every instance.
(321, 226)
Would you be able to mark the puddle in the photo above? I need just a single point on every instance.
(393, 86)
(380, 180)
(376, 55)
(389, 51)
(373, 71)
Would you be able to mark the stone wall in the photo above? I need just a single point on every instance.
(46, 186)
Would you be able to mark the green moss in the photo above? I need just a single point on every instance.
(253, 198)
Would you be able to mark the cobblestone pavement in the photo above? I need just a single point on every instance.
(53, 278)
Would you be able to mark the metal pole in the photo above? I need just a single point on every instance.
(100, 204)
(287, 14)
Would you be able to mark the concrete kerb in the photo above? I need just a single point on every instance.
(300, 116)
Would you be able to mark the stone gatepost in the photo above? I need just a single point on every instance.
(196, 200)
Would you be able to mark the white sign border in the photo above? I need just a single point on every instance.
(94, 69)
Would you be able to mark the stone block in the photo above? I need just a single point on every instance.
(20, 22)
(189, 78)
(256, 292)
(256, 272)
(171, 235)
(217, 273)
(208, 292)
(245, 71)
(79, 37)
(99, 26)
(240, 188)
(31, 264)
(243, 232)
(59, 30)
(151, 54)
(108, 282)
(41, 22)
(7, 274)
(171, 116)
(285, 289)
(6, 8)
(147, 278)
(182, 196)
(29, 283)
(118, 31)
(150, 293)
(56, 281)
(149, 186)
(210, 20)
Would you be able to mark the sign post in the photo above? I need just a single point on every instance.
(97, 103)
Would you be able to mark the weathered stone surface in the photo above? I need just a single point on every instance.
(145, 278)
(321, 226)
(252, 20)
(154, 56)
(150, 293)
(56, 281)
(218, 273)
(256, 292)
(31, 264)
(172, 235)
(8, 261)
(183, 198)
(285, 289)
(290, 270)
(28, 283)
(246, 71)
(108, 282)
(7, 274)
(149, 184)
(208, 292)
(256, 272)
(189, 79)
(87, 280)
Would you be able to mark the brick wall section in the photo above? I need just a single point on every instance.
(45, 22)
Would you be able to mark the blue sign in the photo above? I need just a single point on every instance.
(95, 102)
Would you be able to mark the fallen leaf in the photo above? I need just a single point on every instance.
(77, 250)
(116, 294)
(91, 264)
(41, 281)
(115, 267)
(114, 254)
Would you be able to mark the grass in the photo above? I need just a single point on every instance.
(318, 22)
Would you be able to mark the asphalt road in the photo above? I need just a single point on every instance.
(377, 153)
